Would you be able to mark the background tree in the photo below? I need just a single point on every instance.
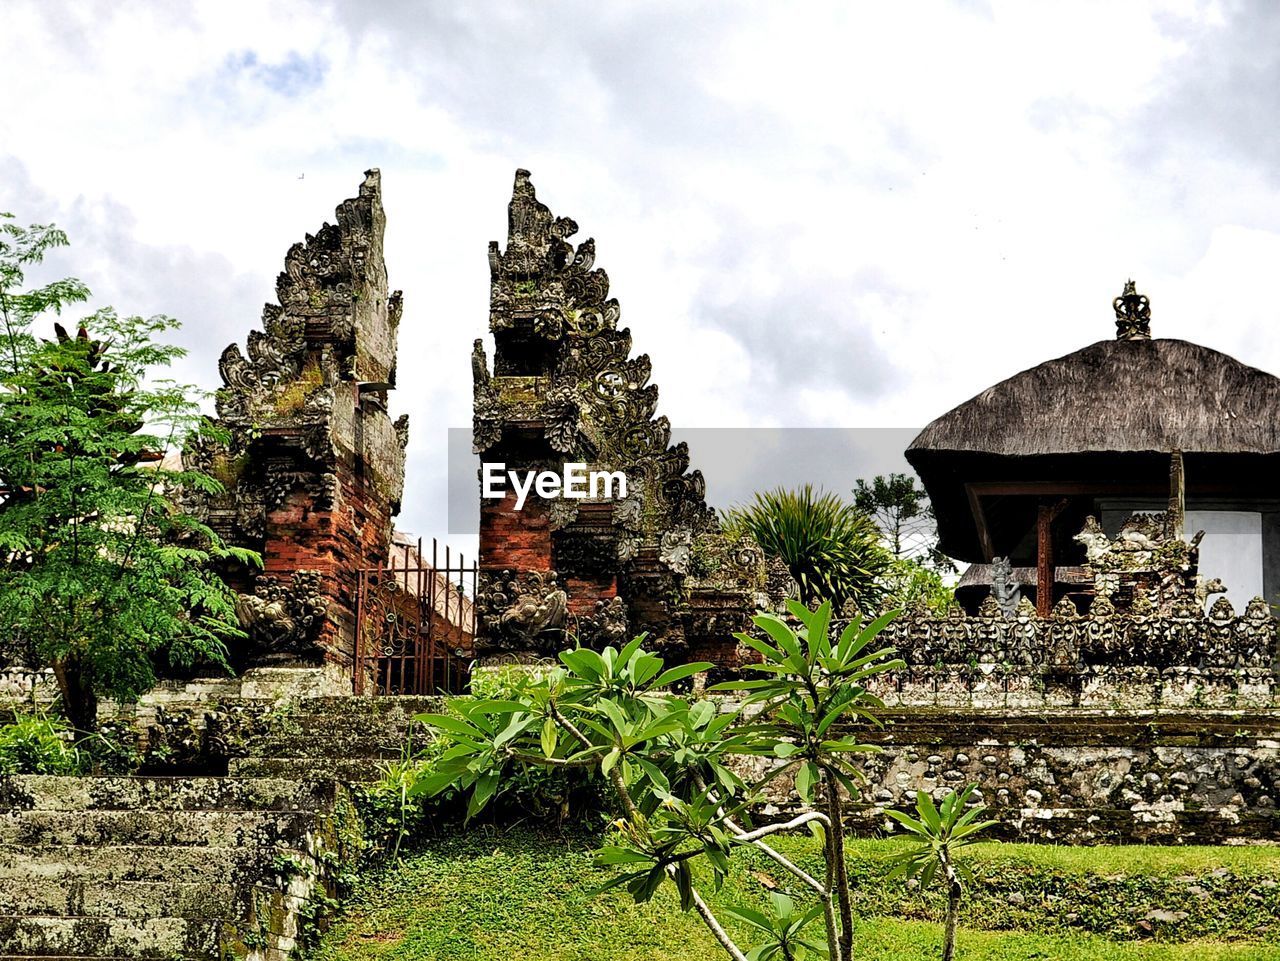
(102, 575)
(21, 247)
(831, 548)
(908, 584)
(905, 517)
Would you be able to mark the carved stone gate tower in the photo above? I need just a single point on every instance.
(313, 465)
(564, 388)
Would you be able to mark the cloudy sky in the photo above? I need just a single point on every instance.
(817, 215)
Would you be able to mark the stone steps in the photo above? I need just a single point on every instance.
(141, 867)
(382, 745)
(194, 867)
(168, 828)
(150, 898)
(97, 937)
(347, 770)
(50, 793)
(320, 737)
(123, 862)
(153, 939)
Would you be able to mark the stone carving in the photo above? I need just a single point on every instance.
(1147, 611)
(479, 365)
(1148, 567)
(283, 618)
(562, 512)
(1003, 588)
(606, 625)
(579, 552)
(523, 611)
(1096, 543)
(1103, 636)
(1206, 587)
(780, 586)
(675, 550)
(1065, 610)
(564, 388)
(561, 413)
(1133, 314)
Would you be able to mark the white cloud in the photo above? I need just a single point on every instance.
(817, 215)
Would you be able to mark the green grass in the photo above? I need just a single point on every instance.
(494, 896)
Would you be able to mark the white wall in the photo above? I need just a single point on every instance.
(1231, 550)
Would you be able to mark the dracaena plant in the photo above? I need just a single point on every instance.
(681, 800)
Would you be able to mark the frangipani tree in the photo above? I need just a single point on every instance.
(680, 800)
(936, 834)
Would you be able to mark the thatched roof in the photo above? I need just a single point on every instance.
(1118, 396)
(1107, 414)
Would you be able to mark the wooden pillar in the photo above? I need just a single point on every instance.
(1177, 515)
(1044, 555)
(1044, 560)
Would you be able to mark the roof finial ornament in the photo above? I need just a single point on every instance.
(1133, 314)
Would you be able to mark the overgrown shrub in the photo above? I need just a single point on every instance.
(832, 549)
(38, 744)
(398, 814)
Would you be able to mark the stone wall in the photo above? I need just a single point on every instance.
(1066, 641)
(1082, 776)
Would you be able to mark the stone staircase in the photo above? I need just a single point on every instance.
(163, 867)
(240, 864)
(340, 737)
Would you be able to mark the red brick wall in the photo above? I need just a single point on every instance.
(510, 539)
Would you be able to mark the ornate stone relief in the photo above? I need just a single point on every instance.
(1003, 588)
(1147, 611)
(523, 610)
(283, 618)
(287, 440)
(606, 625)
(563, 372)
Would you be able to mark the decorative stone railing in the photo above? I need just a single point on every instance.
(1066, 640)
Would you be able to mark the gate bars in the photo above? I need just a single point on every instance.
(415, 623)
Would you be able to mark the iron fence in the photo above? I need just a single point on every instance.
(416, 623)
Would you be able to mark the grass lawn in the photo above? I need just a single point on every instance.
(498, 896)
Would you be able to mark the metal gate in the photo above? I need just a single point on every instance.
(415, 623)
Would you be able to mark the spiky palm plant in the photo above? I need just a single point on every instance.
(832, 548)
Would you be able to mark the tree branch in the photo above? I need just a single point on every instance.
(549, 761)
(709, 919)
(795, 822)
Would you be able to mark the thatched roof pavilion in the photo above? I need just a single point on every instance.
(1095, 430)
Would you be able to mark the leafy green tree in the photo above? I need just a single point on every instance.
(908, 584)
(905, 517)
(103, 577)
(938, 832)
(20, 248)
(831, 548)
(679, 800)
